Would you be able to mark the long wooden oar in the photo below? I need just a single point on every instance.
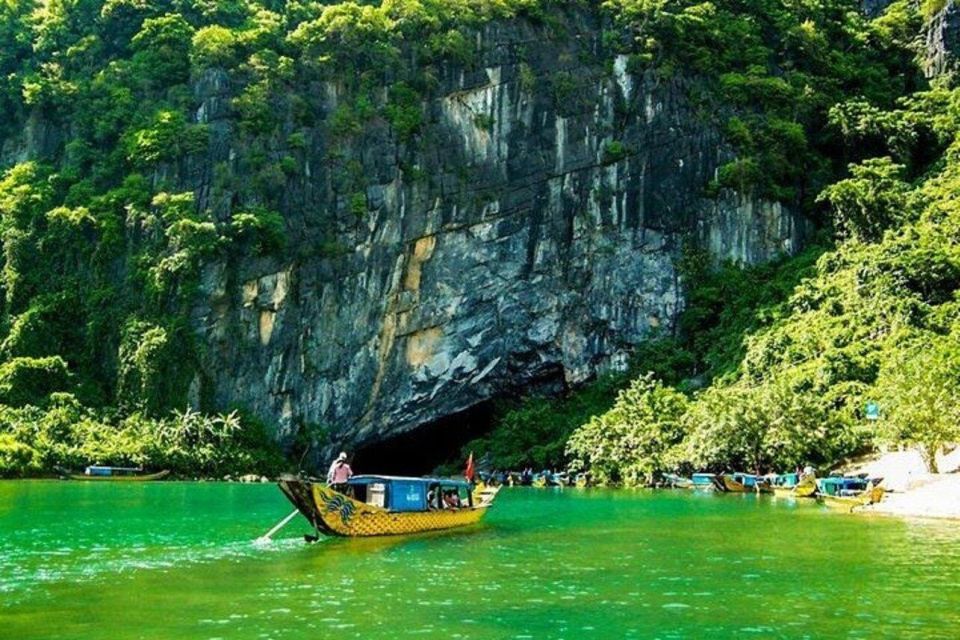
(269, 534)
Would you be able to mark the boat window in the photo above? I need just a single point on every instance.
(451, 497)
(357, 491)
(434, 497)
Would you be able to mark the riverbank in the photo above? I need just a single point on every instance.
(911, 490)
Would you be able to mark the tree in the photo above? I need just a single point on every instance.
(920, 390)
(162, 49)
(636, 439)
(26, 381)
(871, 201)
(213, 46)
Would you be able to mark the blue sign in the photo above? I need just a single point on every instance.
(872, 411)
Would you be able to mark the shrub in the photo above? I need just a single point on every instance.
(263, 228)
(155, 367)
(26, 381)
(167, 138)
(213, 46)
(614, 151)
(16, 458)
(636, 439)
(872, 200)
(404, 110)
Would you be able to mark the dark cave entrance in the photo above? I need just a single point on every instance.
(422, 449)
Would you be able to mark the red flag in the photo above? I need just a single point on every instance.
(470, 470)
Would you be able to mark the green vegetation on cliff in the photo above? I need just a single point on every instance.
(103, 247)
(876, 321)
(105, 239)
(791, 355)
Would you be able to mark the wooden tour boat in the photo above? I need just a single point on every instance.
(387, 505)
(678, 482)
(707, 482)
(794, 485)
(848, 492)
(117, 474)
(550, 479)
(742, 483)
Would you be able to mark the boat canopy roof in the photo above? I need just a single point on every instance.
(844, 482)
(446, 482)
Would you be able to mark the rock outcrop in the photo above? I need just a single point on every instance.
(526, 236)
(942, 34)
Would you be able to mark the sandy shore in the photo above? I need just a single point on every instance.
(939, 497)
(911, 491)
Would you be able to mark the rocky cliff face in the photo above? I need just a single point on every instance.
(942, 34)
(528, 236)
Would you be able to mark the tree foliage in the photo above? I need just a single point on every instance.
(104, 240)
(877, 320)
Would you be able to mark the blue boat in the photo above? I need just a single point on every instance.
(122, 474)
(743, 483)
(707, 482)
(849, 492)
(677, 482)
(841, 486)
(783, 480)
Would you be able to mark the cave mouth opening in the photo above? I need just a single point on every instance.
(421, 450)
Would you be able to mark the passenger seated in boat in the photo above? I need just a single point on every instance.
(451, 500)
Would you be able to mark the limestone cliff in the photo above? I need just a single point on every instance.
(527, 236)
(942, 35)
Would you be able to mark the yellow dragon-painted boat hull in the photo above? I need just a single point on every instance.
(872, 495)
(805, 490)
(733, 486)
(334, 513)
(802, 490)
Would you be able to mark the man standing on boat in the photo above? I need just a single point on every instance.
(339, 473)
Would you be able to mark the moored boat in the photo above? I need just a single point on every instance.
(740, 482)
(783, 484)
(677, 482)
(794, 485)
(117, 474)
(388, 505)
(849, 492)
(549, 479)
(707, 482)
(806, 488)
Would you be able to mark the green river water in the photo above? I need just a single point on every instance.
(176, 560)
